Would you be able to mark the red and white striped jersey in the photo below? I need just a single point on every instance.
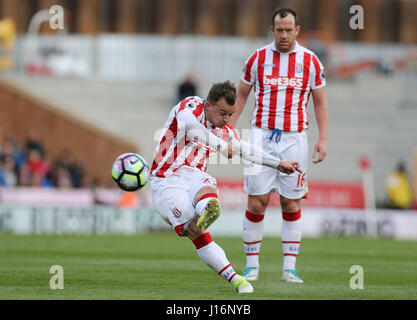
(175, 149)
(282, 85)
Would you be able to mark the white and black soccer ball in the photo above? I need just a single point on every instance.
(130, 172)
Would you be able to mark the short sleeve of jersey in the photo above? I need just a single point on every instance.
(249, 70)
(317, 78)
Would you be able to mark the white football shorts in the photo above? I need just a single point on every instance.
(260, 180)
(173, 196)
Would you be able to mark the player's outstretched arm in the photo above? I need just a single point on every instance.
(254, 154)
(196, 131)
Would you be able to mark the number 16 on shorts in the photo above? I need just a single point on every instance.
(301, 179)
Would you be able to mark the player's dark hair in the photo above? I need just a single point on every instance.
(226, 90)
(283, 12)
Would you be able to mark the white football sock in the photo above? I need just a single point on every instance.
(202, 203)
(214, 256)
(291, 238)
(253, 228)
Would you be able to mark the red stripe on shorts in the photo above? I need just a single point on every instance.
(178, 230)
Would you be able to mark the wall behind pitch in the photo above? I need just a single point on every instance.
(20, 113)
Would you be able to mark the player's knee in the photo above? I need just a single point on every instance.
(257, 206)
(289, 205)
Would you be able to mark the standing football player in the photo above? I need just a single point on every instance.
(283, 74)
(182, 192)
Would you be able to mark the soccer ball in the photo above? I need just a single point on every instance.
(130, 171)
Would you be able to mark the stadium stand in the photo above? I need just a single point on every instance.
(22, 113)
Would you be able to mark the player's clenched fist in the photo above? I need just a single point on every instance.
(288, 167)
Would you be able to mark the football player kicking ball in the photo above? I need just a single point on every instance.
(182, 192)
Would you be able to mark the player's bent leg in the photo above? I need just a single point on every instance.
(207, 207)
(215, 258)
(252, 234)
(291, 238)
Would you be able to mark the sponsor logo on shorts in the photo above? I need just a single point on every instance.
(177, 213)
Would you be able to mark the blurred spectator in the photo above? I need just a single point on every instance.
(12, 148)
(28, 166)
(187, 88)
(61, 177)
(8, 177)
(33, 142)
(67, 171)
(77, 172)
(386, 66)
(34, 170)
(398, 188)
(129, 200)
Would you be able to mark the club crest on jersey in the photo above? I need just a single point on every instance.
(177, 213)
(298, 68)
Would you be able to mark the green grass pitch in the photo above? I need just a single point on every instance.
(163, 266)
